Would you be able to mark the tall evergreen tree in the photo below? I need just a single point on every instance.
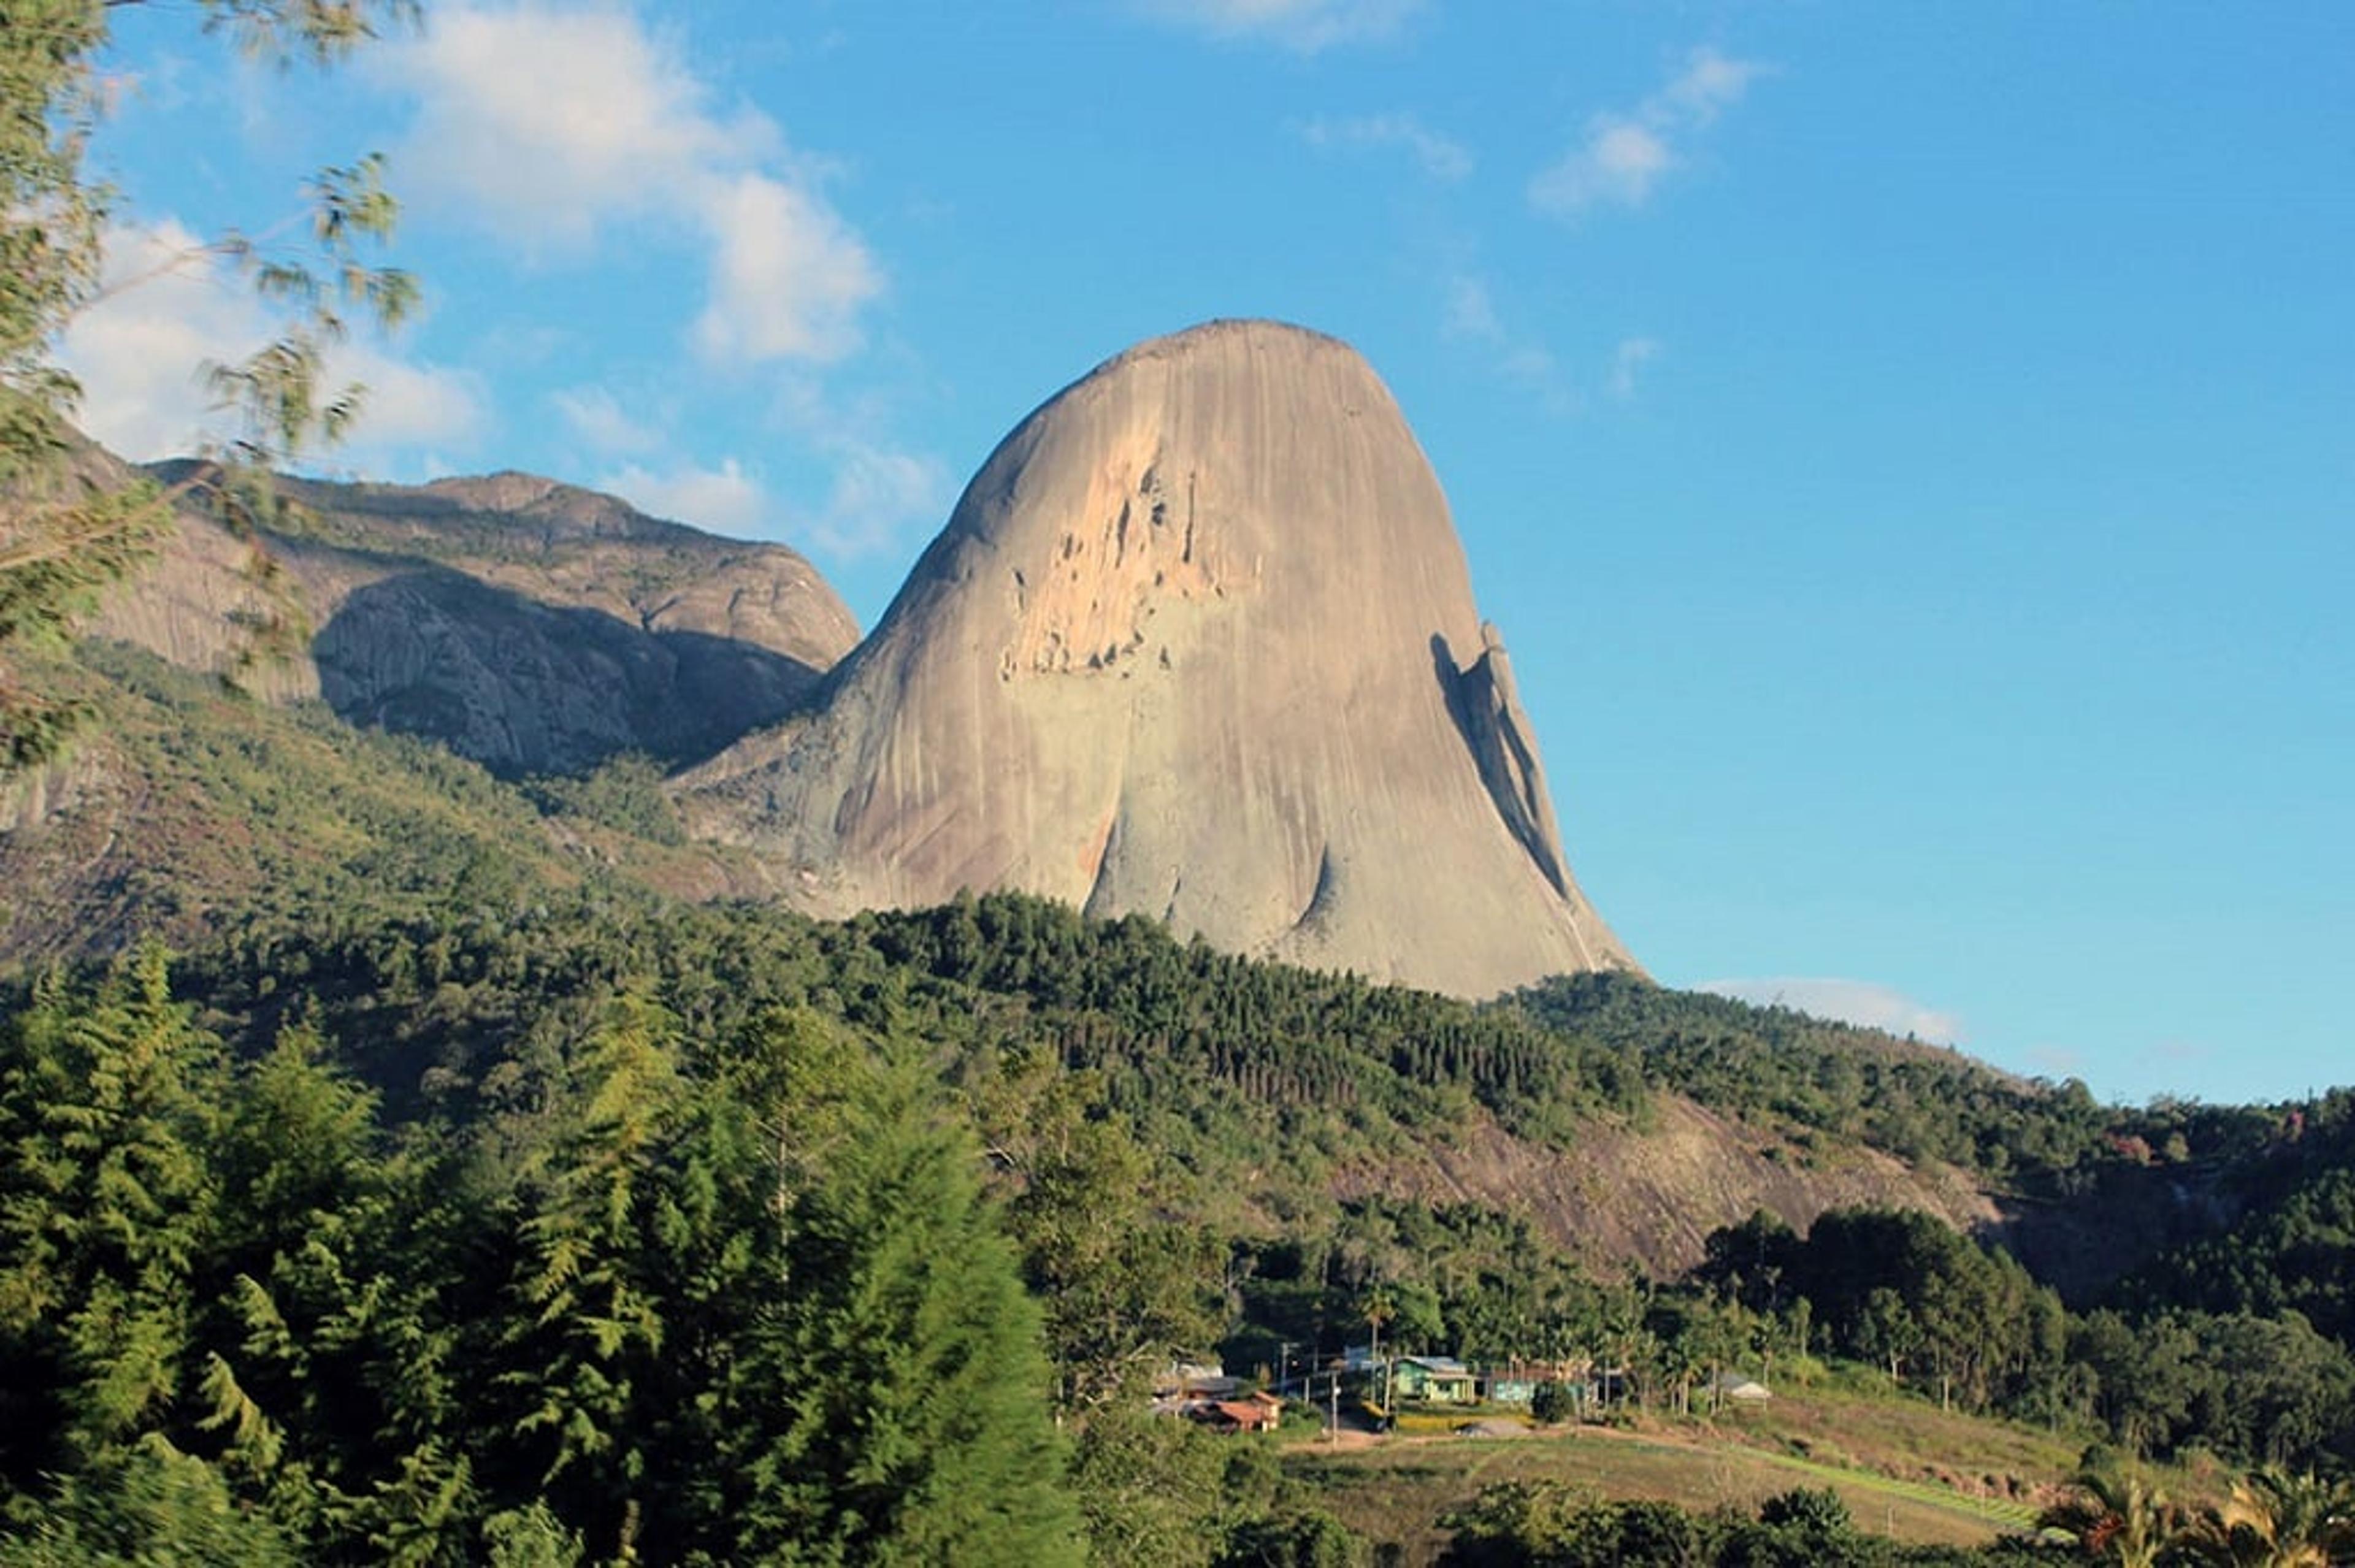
(909, 1358)
(108, 1108)
(589, 1326)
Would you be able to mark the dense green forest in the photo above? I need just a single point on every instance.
(2293, 1248)
(453, 1195)
(605, 1228)
(1780, 1068)
(681, 1297)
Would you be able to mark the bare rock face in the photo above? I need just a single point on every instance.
(1197, 642)
(534, 626)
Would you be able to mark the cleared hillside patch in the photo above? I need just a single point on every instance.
(1912, 1473)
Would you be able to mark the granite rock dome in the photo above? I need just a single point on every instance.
(1197, 642)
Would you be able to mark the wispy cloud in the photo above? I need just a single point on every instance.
(1624, 156)
(548, 125)
(1627, 361)
(2058, 1061)
(1861, 1002)
(169, 306)
(1469, 314)
(1441, 157)
(724, 499)
(1469, 311)
(1709, 84)
(1306, 26)
(846, 489)
(601, 424)
(876, 494)
(788, 275)
(570, 130)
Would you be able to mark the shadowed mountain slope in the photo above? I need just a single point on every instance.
(533, 626)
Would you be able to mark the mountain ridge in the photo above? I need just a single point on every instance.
(526, 623)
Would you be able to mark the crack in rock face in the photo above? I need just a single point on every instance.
(1130, 552)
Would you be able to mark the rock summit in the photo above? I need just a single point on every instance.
(1197, 642)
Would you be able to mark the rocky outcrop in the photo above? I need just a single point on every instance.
(533, 626)
(1197, 642)
(563, 545)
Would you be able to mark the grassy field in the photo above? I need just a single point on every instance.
(1903, 1467)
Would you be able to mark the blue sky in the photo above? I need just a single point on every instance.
(1910, 450)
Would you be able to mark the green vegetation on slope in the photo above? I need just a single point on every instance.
(639, 1315)
(2292, 1247)
(1183, 1150)
(1778, 1068)
(633, 1222)
(209, 806)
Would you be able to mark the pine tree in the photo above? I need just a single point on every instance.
(311, 1305)
(152, 1506)
(107, 1106)
(907, 1358)
(587, 1328)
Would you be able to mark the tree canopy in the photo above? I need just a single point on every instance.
(70, 524)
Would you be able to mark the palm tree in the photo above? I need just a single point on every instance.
(1381, 1306)
(2117, 1517)
(2277, 1519)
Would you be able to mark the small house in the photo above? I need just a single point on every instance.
(1508, 1388)
(1734, 1389)
(1255, 1414)
(1196, 1380)
(1433, 1380)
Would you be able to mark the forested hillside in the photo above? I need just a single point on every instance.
(600, 1226)
(455, 1192)
(186, 806)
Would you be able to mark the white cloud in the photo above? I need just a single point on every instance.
(406, 405)
(1534, 366)
(548, 121)
(1620, 162)
(1850, 1001)
(599, 423)
(1307, 25)
(787, 279)
(1632, 354)
(170, 305)
(1623, 158)
(852, 492)
(1710, 83)
(1469, 314)
(724, 499)
(1441, 157)
(566, 128)
(875, 495)
(549, 124)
